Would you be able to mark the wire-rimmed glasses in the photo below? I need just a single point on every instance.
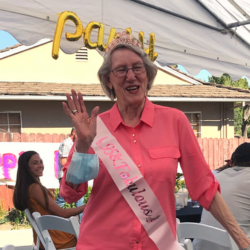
(122, 71)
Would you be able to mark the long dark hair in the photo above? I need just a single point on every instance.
(24, 179)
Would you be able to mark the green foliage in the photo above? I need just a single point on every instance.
(2, 209)
(87, 195)
(225, 79)
(72, 205)
(238, 115)
(3, 213)
(17, 217)
(178, 182)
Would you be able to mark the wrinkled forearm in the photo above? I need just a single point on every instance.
(221, 213)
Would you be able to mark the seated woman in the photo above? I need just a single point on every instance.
(30, 193)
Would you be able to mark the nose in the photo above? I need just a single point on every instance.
(41, 165)
(130, 74)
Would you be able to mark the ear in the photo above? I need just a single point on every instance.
(110, 85)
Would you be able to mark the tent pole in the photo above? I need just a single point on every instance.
(232, 25)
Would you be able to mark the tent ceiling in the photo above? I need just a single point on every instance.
(178, 41)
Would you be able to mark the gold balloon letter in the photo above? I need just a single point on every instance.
(63, 17)
(87, 35)
(100, 44)
(150, 50)
(129, 31)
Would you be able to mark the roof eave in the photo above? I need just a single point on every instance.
(105, 98)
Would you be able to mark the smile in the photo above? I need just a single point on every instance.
(133, 88)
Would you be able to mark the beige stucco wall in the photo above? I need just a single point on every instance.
(37, 65)
(217, 118)
(49, 117)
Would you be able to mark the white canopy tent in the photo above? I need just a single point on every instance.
(216, 41)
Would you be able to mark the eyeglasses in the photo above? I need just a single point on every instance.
(122, 71)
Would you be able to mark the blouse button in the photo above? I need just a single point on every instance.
(139, 166)
(134, 141)
(133, 135)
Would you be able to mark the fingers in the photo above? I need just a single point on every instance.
(66, 110)
(83, 108)
(94, 113)
(75, 101)
(70, 102)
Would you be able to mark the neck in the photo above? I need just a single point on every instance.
(131, 114)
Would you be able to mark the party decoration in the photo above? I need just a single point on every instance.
(86, 33)
(128, 31)
(63, 17)
(9, 162)
(150, 50)
(100, 44)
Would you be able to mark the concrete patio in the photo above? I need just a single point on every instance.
(21, 239)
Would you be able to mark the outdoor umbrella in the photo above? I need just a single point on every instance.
(212, 42)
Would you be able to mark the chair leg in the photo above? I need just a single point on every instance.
(49, 244)
(188, 244)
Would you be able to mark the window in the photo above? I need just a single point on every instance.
(195, 121)
(82, 55)
(10, 122)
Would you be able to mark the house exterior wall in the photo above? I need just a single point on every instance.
(37, 65)
(48, 116)
(217, 119)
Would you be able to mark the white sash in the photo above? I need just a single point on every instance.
(134, 188)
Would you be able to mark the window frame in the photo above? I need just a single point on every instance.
(9, 112)
(196, 112)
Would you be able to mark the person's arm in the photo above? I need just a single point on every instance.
(85, 126)
(37, 194)
(202, 185)
(63, 161)
(221, 213)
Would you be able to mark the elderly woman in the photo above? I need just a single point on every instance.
(139, 144)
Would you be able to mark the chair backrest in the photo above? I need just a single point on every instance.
(35, 227)
(205, 232)
(8, 247)
(51, 222)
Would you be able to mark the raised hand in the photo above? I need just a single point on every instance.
(85, 126)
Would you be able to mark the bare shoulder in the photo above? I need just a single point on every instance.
(35, 189)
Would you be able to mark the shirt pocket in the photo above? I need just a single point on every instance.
(164, 161)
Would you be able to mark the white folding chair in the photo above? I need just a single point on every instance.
(186, 243)
(204, 232)
(35, 227)
(8, 247)
(51, 222)
(49, 244)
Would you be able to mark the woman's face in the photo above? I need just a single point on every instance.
(130, 89)
(36, 165)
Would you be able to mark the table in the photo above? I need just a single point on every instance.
(189, 214)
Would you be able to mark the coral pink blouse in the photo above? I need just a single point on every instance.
(161, 139)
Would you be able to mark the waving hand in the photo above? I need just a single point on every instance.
(85, 126)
